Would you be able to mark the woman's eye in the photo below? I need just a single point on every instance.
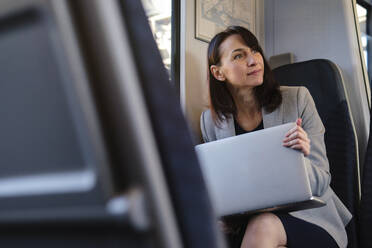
(238, 56)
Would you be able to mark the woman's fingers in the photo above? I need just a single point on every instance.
(299, 122)
(299, 144)
(297, 134)
(304, 149)
(292, 142)
(296, 138)
(292, 130)
(295, 129)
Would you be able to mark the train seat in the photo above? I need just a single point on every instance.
(325, 83)
(183, 175)
(365, 221)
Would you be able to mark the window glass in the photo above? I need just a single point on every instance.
(362, 18)
(159, 13)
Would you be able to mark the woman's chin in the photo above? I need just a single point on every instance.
(256, 83)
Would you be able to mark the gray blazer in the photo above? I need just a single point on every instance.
(297, 102)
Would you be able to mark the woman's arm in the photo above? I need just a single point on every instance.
(316, 162)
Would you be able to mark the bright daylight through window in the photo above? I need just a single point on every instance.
(362, 19)
(159, 14)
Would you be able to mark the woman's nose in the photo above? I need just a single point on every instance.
(251, 61)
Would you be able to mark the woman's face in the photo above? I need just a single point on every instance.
(240, 65)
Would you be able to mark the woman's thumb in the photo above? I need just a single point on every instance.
(299, 122)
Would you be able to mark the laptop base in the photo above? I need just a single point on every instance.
(313, 202)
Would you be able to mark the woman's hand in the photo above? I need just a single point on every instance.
(296, 138)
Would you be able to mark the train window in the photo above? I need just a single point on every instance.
(159, 15)
(163, 17)
(364, 19)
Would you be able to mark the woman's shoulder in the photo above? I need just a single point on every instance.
(207, 126)
(293, 90)
(298, 94)
(206, 116)
(296, 99)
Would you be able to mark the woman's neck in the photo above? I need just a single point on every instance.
(245, 101)
(248, 113)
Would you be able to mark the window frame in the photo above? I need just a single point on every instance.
(175, 50)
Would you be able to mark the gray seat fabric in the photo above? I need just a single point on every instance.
(324, 81)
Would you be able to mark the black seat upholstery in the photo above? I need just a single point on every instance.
(188, 191)
(324, 81)
(365, 222)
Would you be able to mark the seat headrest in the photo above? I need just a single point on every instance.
(322, 78)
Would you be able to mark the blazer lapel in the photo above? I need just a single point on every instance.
(274, 118)
(226, 129)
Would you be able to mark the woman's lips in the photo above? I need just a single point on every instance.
(255, 72)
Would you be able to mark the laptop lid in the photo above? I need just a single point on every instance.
(253, 171)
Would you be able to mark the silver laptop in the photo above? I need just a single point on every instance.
(254, 172)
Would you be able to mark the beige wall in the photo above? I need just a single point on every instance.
(194, 87)
(194, 90)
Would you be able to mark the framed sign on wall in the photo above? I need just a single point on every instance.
(213, 16)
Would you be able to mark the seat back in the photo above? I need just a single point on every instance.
(365, 221)
(183, 173)
(324, 81)
(98, 150)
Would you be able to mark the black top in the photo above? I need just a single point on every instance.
(239, 130)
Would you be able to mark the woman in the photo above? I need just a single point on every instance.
(245, 97)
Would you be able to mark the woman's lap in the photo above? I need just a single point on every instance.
(299, 234)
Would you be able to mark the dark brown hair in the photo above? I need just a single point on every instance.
(268, 94)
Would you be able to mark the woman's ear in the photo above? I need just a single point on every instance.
(217, 73)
